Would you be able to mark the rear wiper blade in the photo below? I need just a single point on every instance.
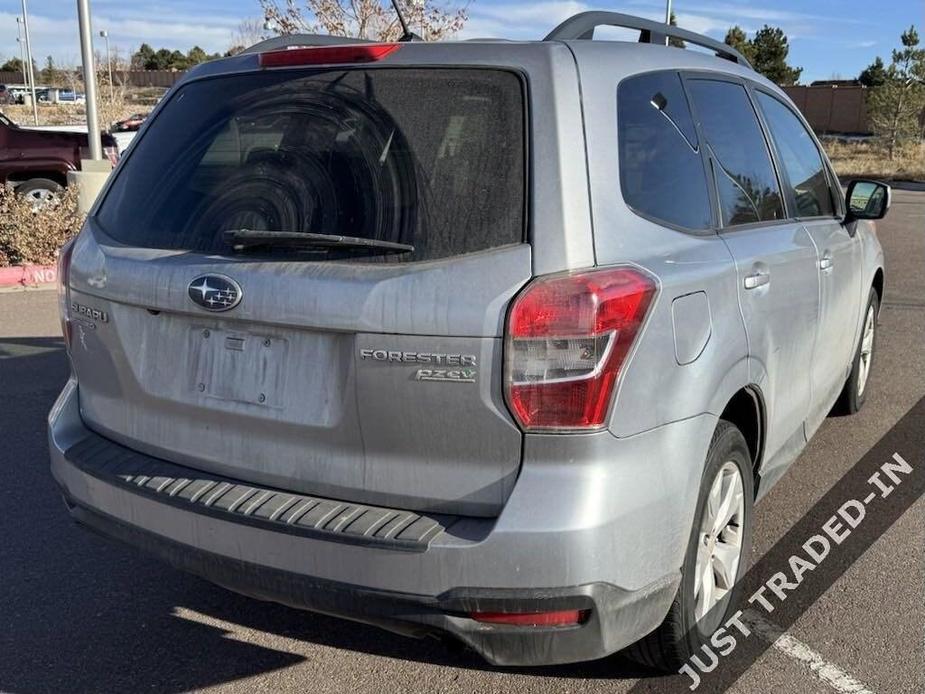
(239, 239)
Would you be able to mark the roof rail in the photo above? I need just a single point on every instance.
(582, 26)
(299, 40)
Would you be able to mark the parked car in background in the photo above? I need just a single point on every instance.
(36, 161)
(500, 340)
(17, 94)
(130, 124)
(66, 96)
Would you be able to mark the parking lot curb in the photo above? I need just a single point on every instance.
(27, 276)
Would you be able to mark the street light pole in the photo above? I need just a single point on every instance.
(22, 50)
(31, 73)
(112, 95)
(22, 58)
(86, 54)
(667, 19)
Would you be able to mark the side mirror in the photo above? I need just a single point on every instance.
(867, 200)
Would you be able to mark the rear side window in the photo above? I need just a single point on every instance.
(745, 177)
(661, 171)
(429, 157)
(800, 159)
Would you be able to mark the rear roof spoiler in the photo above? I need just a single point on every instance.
(582, 26)
(300, 41)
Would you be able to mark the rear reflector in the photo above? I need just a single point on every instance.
(567, 338)
(560, 618)
(64, 271)
(328, 55)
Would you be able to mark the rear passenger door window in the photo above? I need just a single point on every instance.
(661, 171)
(799, 158)
(746, 182)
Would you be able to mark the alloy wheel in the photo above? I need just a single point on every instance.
(867, 350)
(719, 545)
(41, 197)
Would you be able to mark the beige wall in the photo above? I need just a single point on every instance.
(832, 109)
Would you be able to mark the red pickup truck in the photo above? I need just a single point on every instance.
(36, 162)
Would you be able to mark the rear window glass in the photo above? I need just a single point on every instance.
(434, 158)
(661, 170)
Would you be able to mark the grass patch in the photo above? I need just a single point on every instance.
(869, 159)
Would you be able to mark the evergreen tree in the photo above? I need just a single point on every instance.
(895, 107)
(143, 58)
(196, 55)
(874, 75)
(769, 50)
(738, 39)
(12, 65)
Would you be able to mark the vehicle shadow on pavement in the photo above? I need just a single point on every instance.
(76, 612)
(79, 613)
(351, 636)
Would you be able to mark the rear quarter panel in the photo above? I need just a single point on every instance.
(657, 387)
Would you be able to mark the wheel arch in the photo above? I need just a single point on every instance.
(746, 410)
(878, 284)
(59, 177)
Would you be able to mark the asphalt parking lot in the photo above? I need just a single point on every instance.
(80, 614)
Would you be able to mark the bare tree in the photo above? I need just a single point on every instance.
(249, 32)
(366, 19)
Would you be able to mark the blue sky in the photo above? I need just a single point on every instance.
(828, 37)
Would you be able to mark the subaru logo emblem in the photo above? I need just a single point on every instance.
(215, 292)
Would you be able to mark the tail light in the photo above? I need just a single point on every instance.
(567, 339)
(64, 308)
(111, 152)
(561, 618)
(328, 55)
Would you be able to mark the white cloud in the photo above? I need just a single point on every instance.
(518, 20)
(127, 30)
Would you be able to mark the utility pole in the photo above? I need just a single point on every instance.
(112, 96)
(667, 19)
(22, 49)
(30, 72)
(86, 54)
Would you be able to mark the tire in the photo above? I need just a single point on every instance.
(680, 635)
(40, 190)
(854, 393)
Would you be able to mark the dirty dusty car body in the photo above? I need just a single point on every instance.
(441, 441)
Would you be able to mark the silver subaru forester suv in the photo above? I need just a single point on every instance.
(499, 340)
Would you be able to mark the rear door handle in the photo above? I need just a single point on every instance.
(757, 279)
(826, 262)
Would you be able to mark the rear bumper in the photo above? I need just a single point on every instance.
(575, 557)
(613, 611)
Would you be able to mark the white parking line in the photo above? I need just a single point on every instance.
(827, 672)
